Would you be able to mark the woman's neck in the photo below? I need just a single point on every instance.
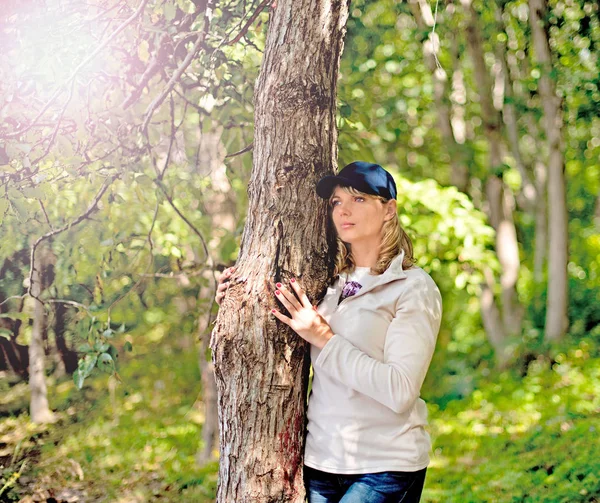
(365, 256)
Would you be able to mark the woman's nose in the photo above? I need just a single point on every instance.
(343, 209)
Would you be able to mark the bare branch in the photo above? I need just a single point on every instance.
(67, 302)
(157, 101)
(45, 214)
(57, 127)
(246, 27)
(66, 227)
(240, 152)
(184, 218)
(13, 297)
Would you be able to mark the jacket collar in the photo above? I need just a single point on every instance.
(392, 273)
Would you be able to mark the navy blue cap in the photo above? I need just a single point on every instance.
(363, 176)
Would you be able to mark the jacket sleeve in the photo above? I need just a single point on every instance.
(409, 344)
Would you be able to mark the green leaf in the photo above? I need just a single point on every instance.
(16, 316)
(108, 333)
(106, 363)
(78, 379)
(33, 193)
(84, 348)
(169, 11)
(101, 347)
(87, 364)
(3, 208)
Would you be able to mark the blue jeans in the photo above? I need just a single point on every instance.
(384, 487)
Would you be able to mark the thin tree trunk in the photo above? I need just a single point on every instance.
(68, 357)
(261, 366)
(210, 428)
(557, 321)
(459, 174)
(541, 223)
(39, 410)
(492, 322)
(222, 209)
(15, 355)
(509, 116)
(498, 197)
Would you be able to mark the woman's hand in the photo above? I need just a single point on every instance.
(224, 284)
(305, 320)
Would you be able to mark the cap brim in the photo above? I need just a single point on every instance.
(327, 184)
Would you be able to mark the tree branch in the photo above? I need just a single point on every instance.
(240, 152)
(246, 27)
(184, 218)
(157, 101)
(66, 227)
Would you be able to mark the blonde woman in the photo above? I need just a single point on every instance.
(372, 338)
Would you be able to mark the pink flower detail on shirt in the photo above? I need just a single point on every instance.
(350, 289)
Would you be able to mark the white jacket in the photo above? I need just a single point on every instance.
(364, 412)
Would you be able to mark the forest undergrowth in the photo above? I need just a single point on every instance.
(519, 437)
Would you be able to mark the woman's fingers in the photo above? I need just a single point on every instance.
(300, 292)
(223, 284)
(281, 316)
(287, 297)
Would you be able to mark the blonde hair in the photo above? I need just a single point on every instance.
(393, 242)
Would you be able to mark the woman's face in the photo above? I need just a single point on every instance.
(359, 218)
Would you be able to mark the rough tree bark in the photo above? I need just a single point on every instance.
(261, 367)
(557, 321)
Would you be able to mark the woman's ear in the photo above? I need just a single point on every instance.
(391, 209)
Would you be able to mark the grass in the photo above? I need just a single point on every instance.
(522, 439)
(128, 441)
(515, 439)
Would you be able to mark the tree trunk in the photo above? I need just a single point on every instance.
(210, 428)
(68, 357)
(459, 174)
(509, 116)
(222, 207)
(541, 223)
(498, 197)
(557, 322)
(261, 366)
(39, 409)
(492, 322)
(15, 356)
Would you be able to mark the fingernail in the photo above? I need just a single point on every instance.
(272, 310)
(277, 292)
(278, 285)
(293, 280)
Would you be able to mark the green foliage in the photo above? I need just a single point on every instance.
(522, 438)
(139, 440)
(134, 266)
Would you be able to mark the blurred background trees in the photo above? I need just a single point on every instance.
(126, 134)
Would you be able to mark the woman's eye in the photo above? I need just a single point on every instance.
(358, 197)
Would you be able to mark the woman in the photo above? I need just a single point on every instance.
(372, 338)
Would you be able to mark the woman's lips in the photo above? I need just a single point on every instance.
(346, 226)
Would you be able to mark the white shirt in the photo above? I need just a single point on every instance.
(364, 412)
